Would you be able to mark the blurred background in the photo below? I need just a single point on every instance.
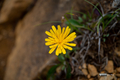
(23, 54)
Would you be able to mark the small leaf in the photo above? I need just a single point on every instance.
(107, 35)
(104, 39)
(80, 19)
(68, 75)
(73, 22)
(67, 55)
(104, 35)
(61, 58)
(63, 67)
(52, 71)
(84, 16)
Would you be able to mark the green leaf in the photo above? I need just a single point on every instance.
(63, 67)
(61, 58)
(52, 71)
(111, 19)
(84, 16)
(107, 35)
(94, 6)
(104, 35)
(80, 19)
(68, 75)
(76, 48)
(72, 13)
(67, 55)
(104, 39)
(73, 22)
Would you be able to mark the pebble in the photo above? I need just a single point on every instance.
(92, 70)
(108, 77)
(80, 67)
(84, 65)
(117, 50)
(102, 72)
(88, 76)
(110, 67)
(84, 71)
(118, 69)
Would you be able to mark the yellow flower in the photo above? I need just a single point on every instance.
(59, 39)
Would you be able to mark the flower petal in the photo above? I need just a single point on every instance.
(61, 36)
(60, 50)
(54, 29)
(59, 29)
(67, 47)
(67, 31)
(63, 50)
(70, 44)
(52, 46)
(51, 38)
(46, 39)
(51, 31)
(49, 43)
(57, 51)
(51, 50)
(71, 37)
(48, 33)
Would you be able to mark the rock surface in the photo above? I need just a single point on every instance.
(84, 65)
(110, 67)
(30, 54)
(85, 71)
(14, 9)
(92, 70)
(118, 69)
(108, 77)
(7, 39)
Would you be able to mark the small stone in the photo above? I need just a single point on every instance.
(115, 71)
(118, 69)
(102, 72)
(118, 75)
(92, 70)
(88, 76)
(79, 67)
(117, 50)
(108, 77)
(109, 68)
(84, 65)
(91, 79)
(102, 78)
(84, 71)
